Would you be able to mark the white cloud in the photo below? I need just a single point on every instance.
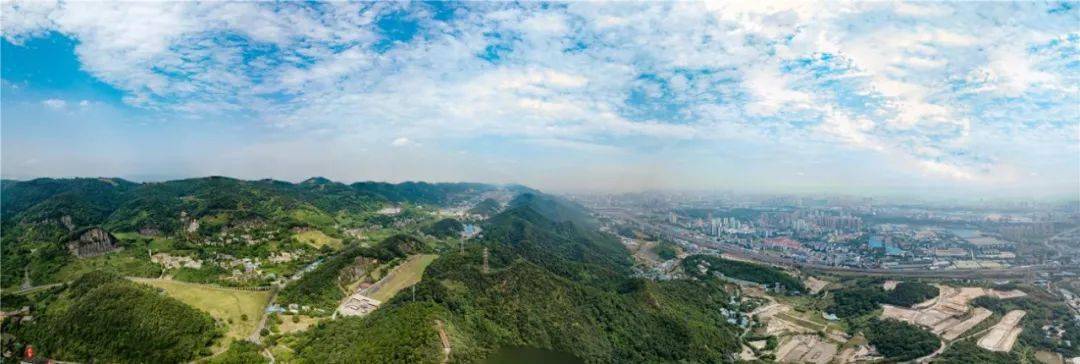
(25, 19)
(912, 81)
(772, 91)
(55, 104)
(402, 142)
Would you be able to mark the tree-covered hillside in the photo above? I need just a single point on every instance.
(319, 288)
(445, 228)
(540, 275)
(864, 296)
(38, 215)
(104, 318)
(703, 266)
(553, 285)
(487, 207)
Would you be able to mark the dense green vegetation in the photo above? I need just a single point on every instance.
(967, 351)
(445, 228)
(487, 207)
(705, 266)
(240, 352)
(319, 287)
(900, 341)
(11, 302)
(400, 334)
(207, 274)
(554, 208)
(666, 250)
(1039, 313)
(865, 296)
(910, 293)
(855, 301)
(102, 317)
(39, 214)
(552, 279)
(552, 285)
(564, 248)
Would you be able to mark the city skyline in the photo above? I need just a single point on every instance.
(939, 99)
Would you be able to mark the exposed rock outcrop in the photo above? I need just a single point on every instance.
(92, 242)
(190, 224)
(66, 221)
(360, 267)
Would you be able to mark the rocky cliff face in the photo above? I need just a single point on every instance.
(66, 221)
(361, 265)
(92, 242)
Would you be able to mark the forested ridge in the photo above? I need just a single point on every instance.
(551, 284)
(319, 287)
(702, 266)
(105, 318)
(866, 296)
(551, 279)
(900, 341)
(40, 214)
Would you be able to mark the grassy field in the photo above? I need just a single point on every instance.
(317, 239)
(222, 303)
(802, 322)
(288, 326)
(404, 275)
(157, 243)
(127, 262)
(371, 237)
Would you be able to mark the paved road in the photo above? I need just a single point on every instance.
(35, 288)
(256, 336)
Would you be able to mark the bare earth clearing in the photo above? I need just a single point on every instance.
(949, 315)
(1003, 335)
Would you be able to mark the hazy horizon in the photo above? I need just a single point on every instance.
(956, 100)
(897, 194)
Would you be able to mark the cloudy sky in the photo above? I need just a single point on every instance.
(753, 95)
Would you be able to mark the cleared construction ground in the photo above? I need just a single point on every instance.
(1003, 335)
(365, 300)
(802, 339)
(806, 349)
(949, 315)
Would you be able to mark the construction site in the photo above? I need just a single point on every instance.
(950, 315)
(948, 312)
(806, 349)
(1003, 335)
(802, 339)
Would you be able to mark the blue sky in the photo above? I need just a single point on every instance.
(756, 96)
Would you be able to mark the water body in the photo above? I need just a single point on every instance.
(526, 355)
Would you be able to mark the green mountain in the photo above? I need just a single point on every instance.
(550, 284)
(487, 207)
(38, 215)
(554, 208)
(445, 228)
(541, 275)
(104, 318)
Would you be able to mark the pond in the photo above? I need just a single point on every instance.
(526, 355)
